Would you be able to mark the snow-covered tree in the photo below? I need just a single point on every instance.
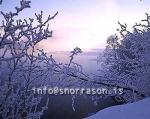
(23, 66)
(127, 59)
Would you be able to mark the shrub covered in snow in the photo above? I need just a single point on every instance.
(126, 59)
(23, 66)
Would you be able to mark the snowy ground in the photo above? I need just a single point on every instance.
(137, 110)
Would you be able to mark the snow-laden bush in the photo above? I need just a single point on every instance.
(23, 66)
(126, 59)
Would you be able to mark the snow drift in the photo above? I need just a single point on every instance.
(137, 110)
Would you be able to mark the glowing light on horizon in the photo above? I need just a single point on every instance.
(92, 25)
(83, 23)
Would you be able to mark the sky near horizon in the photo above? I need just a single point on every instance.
(83, 23)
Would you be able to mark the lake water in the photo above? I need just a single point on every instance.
(88, 60)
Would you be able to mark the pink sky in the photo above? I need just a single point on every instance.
(90, 27)
(84, 23)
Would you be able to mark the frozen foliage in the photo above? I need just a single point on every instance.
(126, 60)
(20, 68)
(137, 110)
(23, 66)
(74, 52)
